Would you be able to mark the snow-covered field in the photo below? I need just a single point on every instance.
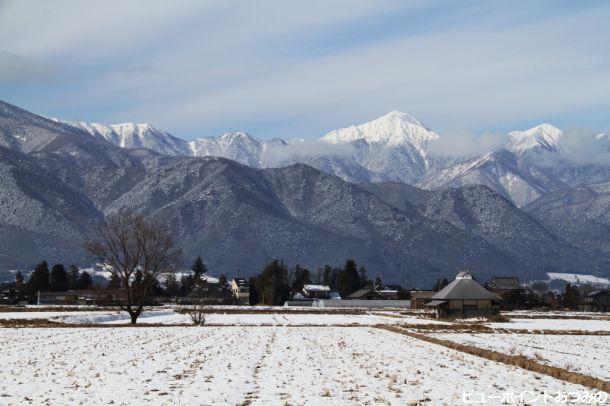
(554, 324)
(555, 313)
(169, 316)
(233, 365)
(589, 355)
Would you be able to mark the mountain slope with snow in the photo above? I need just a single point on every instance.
(501, 171)
(394, 147)
(59, 182)
(130, 135)
(237, 146)
(544, 136)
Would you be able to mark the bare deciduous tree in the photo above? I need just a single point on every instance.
(198, 310)
(128, 244)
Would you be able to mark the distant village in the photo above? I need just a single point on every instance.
(277, 285)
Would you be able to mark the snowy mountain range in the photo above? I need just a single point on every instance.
(394, 147)
(58, 180)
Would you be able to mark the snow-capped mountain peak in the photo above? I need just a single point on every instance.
(394, 128)
(132, 135)
(237, 136)
(543, 136)
(131, 128)
(398, 117)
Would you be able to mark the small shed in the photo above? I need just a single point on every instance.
(419, 298)
(464, 297)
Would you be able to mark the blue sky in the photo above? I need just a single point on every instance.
(299, 69)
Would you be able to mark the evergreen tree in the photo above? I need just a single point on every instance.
(19, 279)
(272, 284)
(334, 279)
(38, 282)
(19, 286)
(326, 276)
(198, 268)
(348, 279)
(59, 278)
(254, 297)
(300, 278)
(186, 285)
(317, 278)
(73, 277)
(570, 296)
(365, 282)
(154, 286)
(85, 281)
(137, 286)
(114, 282)
(223, 285)
(378, 283)
(172, 287)
(403, 294)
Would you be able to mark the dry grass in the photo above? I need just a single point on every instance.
(9, 323)
(515, 360)
(498, 318)
(480, 328)
(21, 309)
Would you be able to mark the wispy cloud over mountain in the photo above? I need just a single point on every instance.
(467, 144)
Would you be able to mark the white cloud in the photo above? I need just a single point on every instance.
(467, 145)
(302, 150)
(17, 68)
(464, 77)
(586, 147)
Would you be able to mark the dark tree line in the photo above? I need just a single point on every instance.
(195, 284)
(275, 284)
(55, 280)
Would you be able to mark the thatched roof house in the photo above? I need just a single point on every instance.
(464, 297)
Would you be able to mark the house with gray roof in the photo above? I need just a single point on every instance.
(366, 294)
(464, 297)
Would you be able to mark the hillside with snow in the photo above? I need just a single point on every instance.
(394, 147)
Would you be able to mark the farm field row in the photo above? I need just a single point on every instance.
(586, 354)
